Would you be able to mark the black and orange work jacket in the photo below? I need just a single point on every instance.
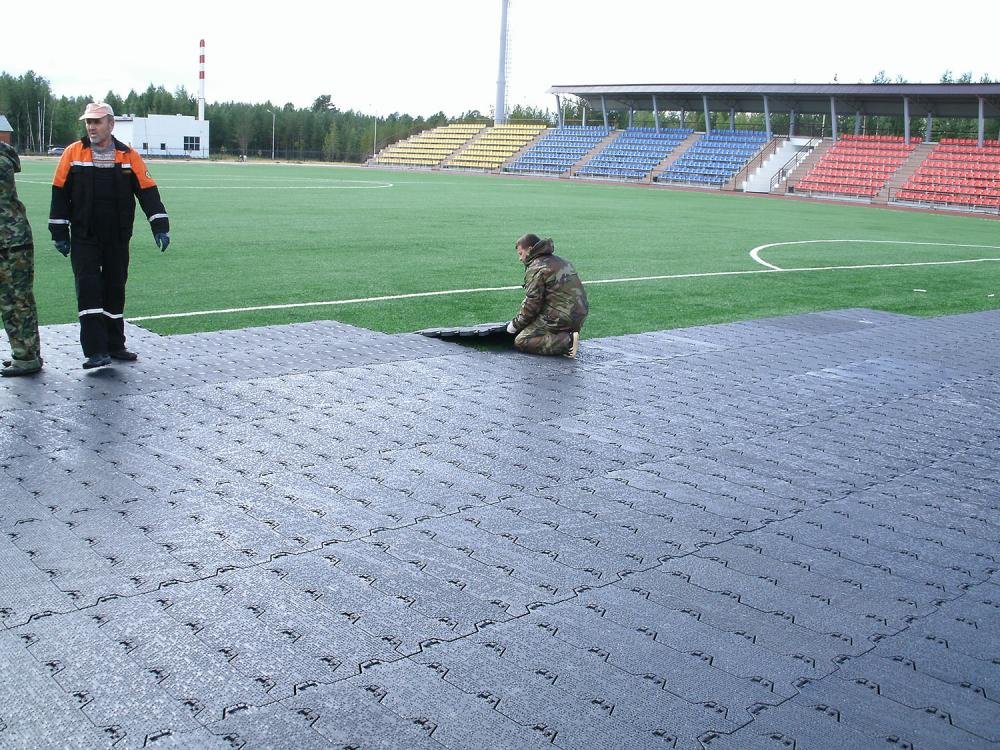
(73, 193)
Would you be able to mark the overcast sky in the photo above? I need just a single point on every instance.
(442, 55)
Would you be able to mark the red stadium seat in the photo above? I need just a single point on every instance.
(858, 165)
(957, 172)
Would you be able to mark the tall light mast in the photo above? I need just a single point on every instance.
(500, 111)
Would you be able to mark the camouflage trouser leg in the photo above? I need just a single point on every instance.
(543, 338)
(17, 302)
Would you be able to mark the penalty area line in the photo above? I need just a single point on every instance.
(623, 280)
(755, 253)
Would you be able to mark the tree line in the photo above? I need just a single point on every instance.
(322, 131)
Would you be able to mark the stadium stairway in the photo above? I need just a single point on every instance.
(757, 176)
(428, 148)
(806, 165)
(857, 167)
(464, 147)
(604, 143)
(738, 180)
(673, 156)
(491, 147)
(957, 173)
(524, 149)
(769, 533)
(901, 175)
(712, 161)
(558, 151)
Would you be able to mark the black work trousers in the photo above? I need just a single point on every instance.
(101, 269)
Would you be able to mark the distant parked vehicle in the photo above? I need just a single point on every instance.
(56, 150)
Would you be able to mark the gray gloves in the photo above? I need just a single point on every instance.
(162, 240)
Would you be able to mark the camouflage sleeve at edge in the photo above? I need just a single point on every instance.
(534, 298)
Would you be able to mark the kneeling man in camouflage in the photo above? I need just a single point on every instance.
(555, 303)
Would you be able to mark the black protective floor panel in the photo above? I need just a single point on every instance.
(773, 534)
(481, 331)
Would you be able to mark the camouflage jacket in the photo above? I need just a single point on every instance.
(15, 231)
(552, 290)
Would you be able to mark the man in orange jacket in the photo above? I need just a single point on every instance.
(93, 208)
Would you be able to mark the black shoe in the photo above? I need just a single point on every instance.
(98, 360)
(124, 355)
(15, 367)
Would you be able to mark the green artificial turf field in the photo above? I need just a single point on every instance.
(253, 235)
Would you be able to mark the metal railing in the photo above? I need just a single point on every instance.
(769, 148)
(941, 203)
(789, 166)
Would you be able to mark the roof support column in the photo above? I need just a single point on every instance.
(982, 121)
(833, 119)
(732, 118)
(559, 112)
(583, 110)
(604, 110)
(906, 120)
(767, 117)
(656, 114)
(857, 122)
(630, 116)
(928, 127)
(708, 121)
(791, 124)
(684, 118)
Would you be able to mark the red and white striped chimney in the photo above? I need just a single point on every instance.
(201, 80)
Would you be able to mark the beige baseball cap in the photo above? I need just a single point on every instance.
(97, 110)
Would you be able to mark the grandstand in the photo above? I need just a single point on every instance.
(430, 148)
(856, 166)
(958, 172)
(634, 154)
(559, 150)
(715, 157)
(883, 178)
(494, 146)
(897, 168)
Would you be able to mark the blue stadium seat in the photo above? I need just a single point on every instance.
(715, 157)
(559, 149)
(634, 153)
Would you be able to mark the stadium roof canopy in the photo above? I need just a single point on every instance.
(975, 101)
(968, 100)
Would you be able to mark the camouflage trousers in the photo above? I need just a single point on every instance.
(544, 337)
(17, 302)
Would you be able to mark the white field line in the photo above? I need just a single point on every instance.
(628, 279)
(325, 303)
(364, 186)
(284, 187)
(755, 253)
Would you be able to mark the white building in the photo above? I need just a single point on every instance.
(164, 135)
